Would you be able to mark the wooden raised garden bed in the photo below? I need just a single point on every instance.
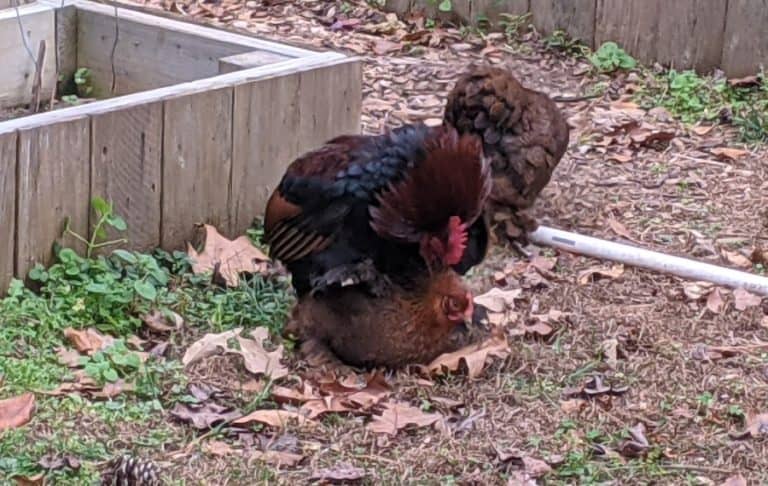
(196, 125)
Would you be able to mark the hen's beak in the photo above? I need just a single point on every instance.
(470, 308)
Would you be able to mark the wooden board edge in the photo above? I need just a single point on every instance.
(184, 89)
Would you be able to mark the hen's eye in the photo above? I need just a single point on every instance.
(454, 305)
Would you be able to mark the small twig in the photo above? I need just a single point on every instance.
(37, 86)
(573, 99)
(693, 467)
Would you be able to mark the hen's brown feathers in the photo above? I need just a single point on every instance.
(524, 133)
(399, 328)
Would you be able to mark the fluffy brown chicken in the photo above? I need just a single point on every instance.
(398, 328)
(394, 206)
(524, 135)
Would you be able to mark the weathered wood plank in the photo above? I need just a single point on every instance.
(247, 60)
(11, 3)
(66, 44)
(126, 169)
(18, 72)
(197, 164)
(493, 10)
(149, 55)
(330, 103)
(398, 6)
(146, 57)
(683, 34)
(53, 185)
(460, 11)
(576, 17)
(265, 141)
(7, 207)
(745, 45)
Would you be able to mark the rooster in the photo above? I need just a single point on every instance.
(524, 135)
(372, 209)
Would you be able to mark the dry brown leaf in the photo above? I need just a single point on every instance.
(158, 322)
(36, 480)
(16, 411)
(702, 129)
(573, 405)
(737, 259)
(342, 398)
(398, 415)
(497, 300)
(610, 349)
(258, 360)
(111, 390)
(282, 394)
(69, 357)
(620, 158)
(726, 153)
(339, 473)
(473, 356)
(204, 416)
(538, 328)
(715, 302)
(220, 448)
(697, 290)
(274, 418)
(228, 258)
(649, 136)
(89, 340)
(620, 229)
(591, 274)
(756, 426)
(278, 458)
(743, 299)
(532, 468)
(637, 445)
(746, 81)
(382, 47)
(735, 480)
(208, 345)
(543, 264)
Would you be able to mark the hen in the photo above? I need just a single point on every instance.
(403, 326)
(524, 135)
(362, 209)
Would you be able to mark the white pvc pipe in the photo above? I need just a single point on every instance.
(639, 257)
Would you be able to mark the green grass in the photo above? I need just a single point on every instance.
(694, 98)
(111, 293)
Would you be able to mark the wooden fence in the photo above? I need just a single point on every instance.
(684, 34)
(207, 150)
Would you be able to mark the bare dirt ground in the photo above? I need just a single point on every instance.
(654, 334)
(615, 375)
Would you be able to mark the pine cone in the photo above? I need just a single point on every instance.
(131, 471)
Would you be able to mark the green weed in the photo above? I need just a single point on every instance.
(610, 57)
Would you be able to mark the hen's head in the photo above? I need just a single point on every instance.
(451, 300)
